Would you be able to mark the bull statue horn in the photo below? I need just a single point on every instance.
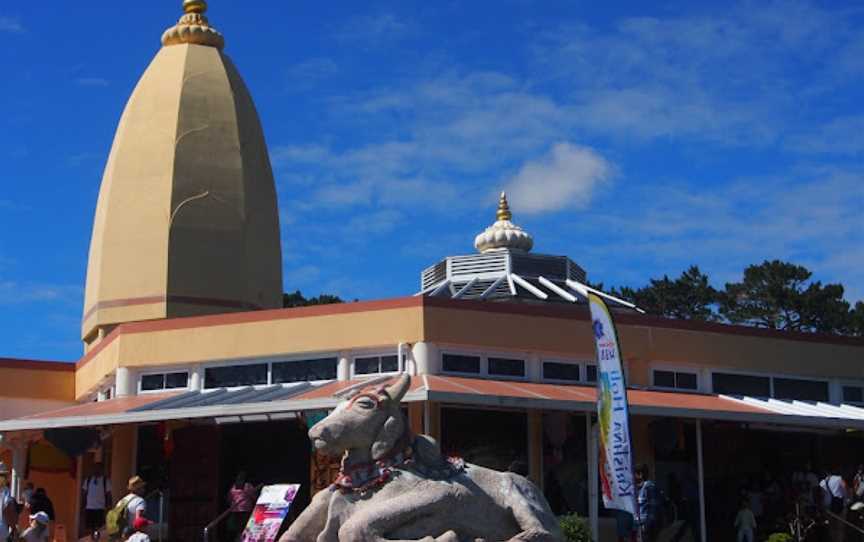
(397, 390)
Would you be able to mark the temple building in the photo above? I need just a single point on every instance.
(192, 371)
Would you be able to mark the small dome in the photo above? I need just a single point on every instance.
(503, 234)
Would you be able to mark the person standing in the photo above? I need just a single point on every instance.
(647, 504)
(8, 506)
(40, 502)
(241, 499)
(97, 498)
(38, 529)
(858, 484)
(745, 523)
(836, 496)
(136, 507)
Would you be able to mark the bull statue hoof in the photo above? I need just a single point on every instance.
(394, 486)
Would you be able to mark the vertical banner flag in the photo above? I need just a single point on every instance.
(616, 460)
(269, 512)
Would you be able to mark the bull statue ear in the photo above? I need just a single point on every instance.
(397, 390)
(390, 432)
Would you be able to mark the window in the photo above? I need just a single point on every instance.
(591, 373)
(376, 364)
(506, 367)
(553, 370)
(676, 380)
(164, 381)
(853, 394)
(235, 375)
(804, 390)
(152, 382)
(174, 381)
(304, 370)
(735, 384)
(457, 363)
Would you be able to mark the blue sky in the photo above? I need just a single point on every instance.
(637, 138)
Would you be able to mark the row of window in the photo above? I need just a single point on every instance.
(515, 368)
(758, 386)
(261, 374)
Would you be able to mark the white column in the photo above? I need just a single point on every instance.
(196, 378)
(701, 473)
(593, 477)
(425, 357)
(420, 354)
(19, 460)
(125, 382)
(534, 370)
(343, 369)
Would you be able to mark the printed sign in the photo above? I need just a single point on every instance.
(270, 510)
(616, 458)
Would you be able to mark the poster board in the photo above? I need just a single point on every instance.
(269, 512)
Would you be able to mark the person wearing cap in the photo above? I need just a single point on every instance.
(8, 506)
(138, 531)
(38, 529)
(135, 504)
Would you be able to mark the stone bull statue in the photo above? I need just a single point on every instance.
(394, 486)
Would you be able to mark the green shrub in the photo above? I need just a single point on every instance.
(575, 528)
(780, 537)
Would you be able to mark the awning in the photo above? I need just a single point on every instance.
(282, 401)
(515, 394)
(244, 404)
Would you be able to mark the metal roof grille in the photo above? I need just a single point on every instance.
(575, 272)
(529, 265)
(434, 274)
(479, 263)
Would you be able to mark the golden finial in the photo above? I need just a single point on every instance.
(193, 27)
(503, 208)
(194, 6)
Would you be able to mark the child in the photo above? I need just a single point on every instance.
(745, 523)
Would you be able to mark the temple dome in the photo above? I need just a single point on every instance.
(187, 220)
(503, 234)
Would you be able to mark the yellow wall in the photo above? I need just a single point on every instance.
(37, 383)
(289, 335)
(367, 325)
(642, 345)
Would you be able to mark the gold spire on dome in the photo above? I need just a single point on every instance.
(503, 208)
(194, 6)
(193, 27)
(503, 234)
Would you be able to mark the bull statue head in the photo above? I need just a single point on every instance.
(367, 426)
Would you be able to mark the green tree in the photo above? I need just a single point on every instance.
(296, 299)
(856, 320)
(780, 295)
(689, 297)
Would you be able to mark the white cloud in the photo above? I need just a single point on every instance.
(301, 276)
(13, 292)
(811, 216)
(92, 82)
(11, 25)
(566, 177)
(842, 135)
(375, 29)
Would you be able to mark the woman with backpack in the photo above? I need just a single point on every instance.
(129, 511)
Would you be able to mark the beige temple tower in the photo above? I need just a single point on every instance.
(187, 221)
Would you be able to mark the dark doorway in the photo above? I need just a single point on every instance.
(269, 453)
(193, 481)
(491, 438)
